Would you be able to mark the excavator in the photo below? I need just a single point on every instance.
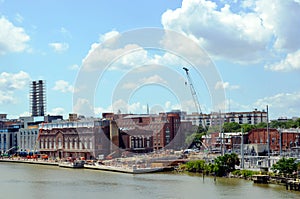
(6, 153)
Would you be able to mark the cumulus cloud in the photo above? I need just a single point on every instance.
(59, 47)
(63, 86)
(13, 81)
(283, 104)
(74, 67)
(9, 83)
(57, 111)
(154, 79)
(101, 56)
(6, 97)
(12, 38)
(226, 85)
(243, 31)
(291, 62)
(236, 36)
(281, 17)
(83, 106)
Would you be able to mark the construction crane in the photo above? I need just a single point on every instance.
(194, 94)
(196, 102)
(35, 152)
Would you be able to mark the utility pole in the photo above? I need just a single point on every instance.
(242, 149)
(268, 132)
(280, 141)
(221, 133)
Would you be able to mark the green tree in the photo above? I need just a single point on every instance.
(196, 166)
(226, 164)
(285, 166)
(247, 127)
(261, 125)
(231, 127)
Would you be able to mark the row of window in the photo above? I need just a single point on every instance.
(66, 144)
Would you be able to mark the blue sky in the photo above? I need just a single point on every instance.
(254, 46)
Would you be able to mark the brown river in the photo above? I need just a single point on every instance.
(24, 181)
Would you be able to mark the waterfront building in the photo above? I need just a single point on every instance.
(281, 140)
(86, 138)
(8, 135)
(256, 141)
(27, 136)
(140, 133)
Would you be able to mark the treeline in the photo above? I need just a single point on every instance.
(235, 127)
(223, 165)
(195, 136)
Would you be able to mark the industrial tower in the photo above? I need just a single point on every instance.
(37, 98)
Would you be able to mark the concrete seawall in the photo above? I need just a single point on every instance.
(39, 162)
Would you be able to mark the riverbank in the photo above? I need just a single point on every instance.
(122, 169)
(29, 161)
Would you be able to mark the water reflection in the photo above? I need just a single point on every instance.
(34, 181)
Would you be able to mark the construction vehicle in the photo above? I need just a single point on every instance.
(110, 156)
(7, 152)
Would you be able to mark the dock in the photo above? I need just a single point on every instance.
(293, 185)
(132, 170)
(261, 179)
(120, 169)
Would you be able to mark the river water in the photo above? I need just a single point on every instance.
(48, 182)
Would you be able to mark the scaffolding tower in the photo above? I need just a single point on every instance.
(37, 98)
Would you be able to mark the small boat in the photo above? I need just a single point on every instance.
(72, 164)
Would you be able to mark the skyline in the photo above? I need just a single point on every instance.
(253, 46)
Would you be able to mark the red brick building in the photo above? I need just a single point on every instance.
(285, 139)
(145, 133)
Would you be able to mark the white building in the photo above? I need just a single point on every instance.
(217, 118)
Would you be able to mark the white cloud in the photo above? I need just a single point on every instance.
(100, 56)
(226, 85)
(57, 111)
(63, 86)
(109, 35)
(154, 79)
(235, 36)
(74, 67)
(6, 97)
(252, 31)
(107, 53)
(59, 47)
(12, 38)
(14, 81)
(82, 106)
(281, 104)
(9, 83)
(291, 62)
(282, 17)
